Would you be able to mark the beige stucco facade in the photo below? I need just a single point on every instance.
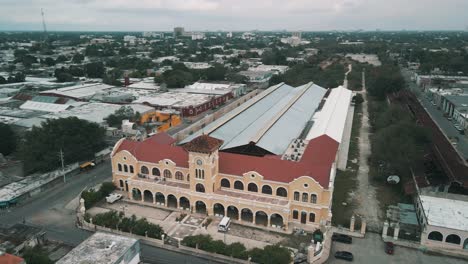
(201, 188)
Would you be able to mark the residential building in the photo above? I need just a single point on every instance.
(245, 165)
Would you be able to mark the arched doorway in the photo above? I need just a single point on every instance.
(218, 209)
(200, 207)
(233, 212)
(136, 194)
(121, 184)
(148, 196)
(434, 235)
(261, 218)
(160, 198)
(276, 220)
(171, 201)
(184, 203)
(126, 186)
(247, 215)
(303, 217)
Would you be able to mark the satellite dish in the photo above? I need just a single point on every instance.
(393, 179)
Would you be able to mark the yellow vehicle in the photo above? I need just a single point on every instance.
(87, 166)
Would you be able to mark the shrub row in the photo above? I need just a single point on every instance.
(115, 220)
(271, 254)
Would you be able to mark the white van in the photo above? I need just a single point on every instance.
(224, 224)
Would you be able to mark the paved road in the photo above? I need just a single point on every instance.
(54, 210)
(437, 115)
(371, 250)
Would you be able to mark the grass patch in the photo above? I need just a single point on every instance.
(346, 181)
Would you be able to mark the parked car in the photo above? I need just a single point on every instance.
(345, 255)
(342, 238)
(389, 248)
(111, 198)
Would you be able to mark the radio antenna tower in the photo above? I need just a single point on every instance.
(44, 25)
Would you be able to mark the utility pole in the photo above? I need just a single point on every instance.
(63, 165)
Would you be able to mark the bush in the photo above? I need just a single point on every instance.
(36, 255)
(358, 99)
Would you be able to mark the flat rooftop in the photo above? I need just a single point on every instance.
(445, 212)
(174, 99)
(80, 91)
(99, 248)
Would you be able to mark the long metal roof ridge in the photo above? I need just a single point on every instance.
(228, 117)
(272, 121)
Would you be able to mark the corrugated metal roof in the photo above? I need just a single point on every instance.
(272, 121)
(44, 99)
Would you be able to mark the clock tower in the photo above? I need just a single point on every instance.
(203, 162)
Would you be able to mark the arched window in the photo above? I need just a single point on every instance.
(155, 172)
(119, 167)
(225, 183)
(179, 176)
(313, 198)
(125, 168)
(167, 174)
(252, 187)
(453, 239)
(199, 174)
(434, 235)
(131, 169)
(144, 170)
(311, 217)
(305, 197)
(200, 188)
(295, 214)
(266, 189)
(238, 185)
(296, 196)
(281, 192)
(188, 177)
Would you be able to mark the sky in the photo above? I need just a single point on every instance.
(235, 15)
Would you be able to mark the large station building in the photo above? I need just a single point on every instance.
(270, 162)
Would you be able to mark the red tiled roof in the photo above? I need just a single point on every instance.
(203, 144)
(316, 162)
(10, 259)
(163, 138)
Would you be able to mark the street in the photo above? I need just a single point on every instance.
(54, 210)
(371, 250)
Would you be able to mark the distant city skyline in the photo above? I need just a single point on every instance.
(239, 15)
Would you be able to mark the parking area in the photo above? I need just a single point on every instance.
(371, 250)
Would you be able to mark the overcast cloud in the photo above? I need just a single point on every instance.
(162, 15)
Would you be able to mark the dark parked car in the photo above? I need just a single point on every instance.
(389, 248)
(342, 238)
(344, 255)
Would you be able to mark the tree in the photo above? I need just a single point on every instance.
(8, 142)
(115, 119)
(358, 99)
(216, 73)
(48, 61)
(77, 58)
(236, 78)
(63, 75)
(95, 69)
(36, 255)
(78, 139)
(61, 58)
(124, 51)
